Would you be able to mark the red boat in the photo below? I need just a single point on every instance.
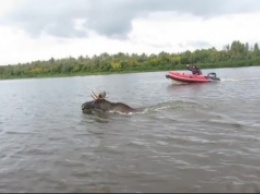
(190, 78)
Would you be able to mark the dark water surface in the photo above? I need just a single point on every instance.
(191, 138)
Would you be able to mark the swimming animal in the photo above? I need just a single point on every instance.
(100, 103)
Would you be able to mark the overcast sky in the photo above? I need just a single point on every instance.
(40, 29)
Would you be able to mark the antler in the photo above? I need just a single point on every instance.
(95, 96)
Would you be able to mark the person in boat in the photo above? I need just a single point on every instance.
(194, 69)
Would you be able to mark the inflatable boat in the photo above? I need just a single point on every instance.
(190, 78)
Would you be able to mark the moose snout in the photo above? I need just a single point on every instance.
(88, 105)
(83, 106)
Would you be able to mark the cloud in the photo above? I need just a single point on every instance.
(151, 35)
(38, 30)
(109, 18)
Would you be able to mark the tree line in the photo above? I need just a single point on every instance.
(236, 54)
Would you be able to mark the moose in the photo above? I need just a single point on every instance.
(100, 103)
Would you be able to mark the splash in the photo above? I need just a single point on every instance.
(177, 83)
(239, 79)
(121, 113)
(170, 105)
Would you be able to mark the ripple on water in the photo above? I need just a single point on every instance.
(190, 138)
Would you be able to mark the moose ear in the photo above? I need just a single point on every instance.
(102, 95)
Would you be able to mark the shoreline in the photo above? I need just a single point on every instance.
(107, 73)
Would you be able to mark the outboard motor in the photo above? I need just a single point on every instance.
(213, 76)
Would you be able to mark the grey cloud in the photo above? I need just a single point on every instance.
(110, 18)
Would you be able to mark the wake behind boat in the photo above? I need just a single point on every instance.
(190, 78)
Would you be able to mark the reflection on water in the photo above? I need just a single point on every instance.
(189, 138)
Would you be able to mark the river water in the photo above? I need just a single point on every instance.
(190, 138)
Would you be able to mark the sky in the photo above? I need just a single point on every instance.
(33, 30)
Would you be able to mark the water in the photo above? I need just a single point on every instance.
(190, 138)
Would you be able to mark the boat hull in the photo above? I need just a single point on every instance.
(189, 78)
